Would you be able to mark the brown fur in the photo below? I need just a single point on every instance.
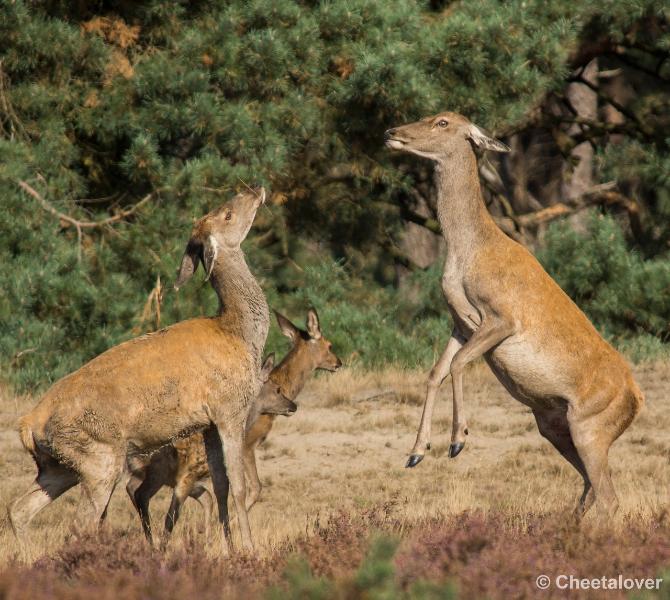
(183, 465)
(148, 391)
(507, 309)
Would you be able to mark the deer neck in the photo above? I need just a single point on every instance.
(463, 217)
(243, 309)
(292, 373)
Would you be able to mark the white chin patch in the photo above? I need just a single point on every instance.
(395, 144)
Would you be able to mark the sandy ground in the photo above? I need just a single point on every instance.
(346, 448)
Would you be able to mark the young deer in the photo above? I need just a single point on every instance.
(506, 308)
(200, 374)
(183, 465)
(177, 466)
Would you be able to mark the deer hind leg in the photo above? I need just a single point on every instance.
(180, 493)
(141, 494)
(99, 475)
(554, 427)
(204, 497)
(593, 435)
(53, 479)
(438, 374)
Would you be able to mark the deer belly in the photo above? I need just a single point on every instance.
(528, 374)
(156, 429)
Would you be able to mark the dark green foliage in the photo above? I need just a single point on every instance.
(371, 326)
(624, 295)
(104, 103)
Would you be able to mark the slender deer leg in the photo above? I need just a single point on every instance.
(99, 493)
(220, 481)
(251, 473)
(437, 375)
(52, 481)
(172, 515)
(593, 451)
(233, 444)
(482, 340)
(141, 495)
(99, 476)
(204, 498)
(553, 426)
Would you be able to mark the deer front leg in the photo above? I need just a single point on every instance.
(220, 481)
(251, 473)
(437, 375)
(489, 335)
(233, 443)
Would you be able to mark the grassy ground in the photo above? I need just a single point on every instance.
(343, 453)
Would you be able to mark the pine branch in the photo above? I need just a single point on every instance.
(81, 225)
(602, 194)
(7, 112)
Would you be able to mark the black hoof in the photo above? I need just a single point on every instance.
(413, 460)
(455, 449)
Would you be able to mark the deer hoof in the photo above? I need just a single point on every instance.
(455, 449)
(414, 460)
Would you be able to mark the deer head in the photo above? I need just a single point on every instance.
(441, 136)
(221, 230)
(310, 344)
(270, 400)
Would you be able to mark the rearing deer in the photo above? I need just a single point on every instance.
(505, 307)
(183, 464)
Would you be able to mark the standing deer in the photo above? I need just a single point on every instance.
(183, 465)
(506, 308)
(199, 374)
(178, 466)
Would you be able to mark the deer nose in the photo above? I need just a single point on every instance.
(388, 134)
(292, 407)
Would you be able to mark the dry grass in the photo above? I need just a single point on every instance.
(345, 450)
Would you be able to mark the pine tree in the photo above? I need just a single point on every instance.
(138, 117)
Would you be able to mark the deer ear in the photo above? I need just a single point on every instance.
(267, 367)
(189, 263)
(286, 327)
(483, 141)
(313, 327)
(209, 254)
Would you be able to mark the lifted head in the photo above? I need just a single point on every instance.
(222, 229)
(440, 136)
(311, 343)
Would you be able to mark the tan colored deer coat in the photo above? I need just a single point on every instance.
(200, 374)
(183, 465)
(506, 308)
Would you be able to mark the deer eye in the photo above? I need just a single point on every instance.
(442, 123)
(229, 215)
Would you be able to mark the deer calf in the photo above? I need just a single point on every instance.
(183, 464)
(185, 470)
(506, 308)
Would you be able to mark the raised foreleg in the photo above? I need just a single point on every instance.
(437, 375)
(486, 337)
